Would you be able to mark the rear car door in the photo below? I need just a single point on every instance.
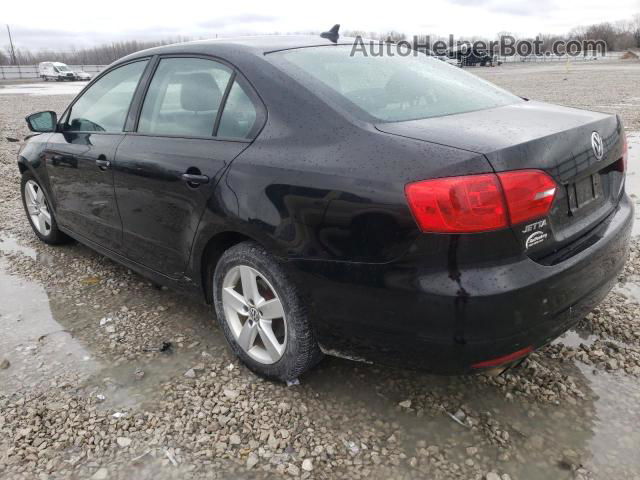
(78, 158)
(166, 170)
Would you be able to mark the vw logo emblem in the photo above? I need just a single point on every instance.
(596, 144)
(254, 315)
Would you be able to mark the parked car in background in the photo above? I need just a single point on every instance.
(444, 58)
(383, 208)
(59, 71)
(468, 55)
(82, 75)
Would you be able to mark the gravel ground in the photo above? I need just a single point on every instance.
(604, 86)
(86, 390)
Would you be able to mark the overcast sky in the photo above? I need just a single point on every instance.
(64, 24)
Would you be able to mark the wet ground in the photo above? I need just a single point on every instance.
(111, 377)
(60, 339)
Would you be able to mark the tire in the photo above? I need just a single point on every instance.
(49, 233)
(298, 348)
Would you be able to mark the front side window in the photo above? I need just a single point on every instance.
(391, 87)
(184, 97)
(239, 114)
(104, 106)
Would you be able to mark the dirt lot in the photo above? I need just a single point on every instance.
(85, 391)
(605, 86)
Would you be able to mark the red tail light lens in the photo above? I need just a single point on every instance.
(529, 194)
(480, 203)
(472, 203)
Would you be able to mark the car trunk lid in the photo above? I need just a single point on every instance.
(557, 140)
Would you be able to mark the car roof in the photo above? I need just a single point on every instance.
(256, 45)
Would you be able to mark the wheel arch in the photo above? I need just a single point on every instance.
(213, 250)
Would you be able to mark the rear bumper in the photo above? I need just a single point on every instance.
(446, 320)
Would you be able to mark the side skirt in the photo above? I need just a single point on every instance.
(184, 285)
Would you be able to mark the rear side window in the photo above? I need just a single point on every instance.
(239, 114)
(184, 97)
(104, 106)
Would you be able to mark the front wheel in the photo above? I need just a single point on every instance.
(263, 314)
(37, 208)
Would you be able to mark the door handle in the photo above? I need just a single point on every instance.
(194, 179)
(103, 163)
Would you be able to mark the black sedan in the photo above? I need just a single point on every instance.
(382, 208)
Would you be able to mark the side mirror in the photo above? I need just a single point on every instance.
(42, 122)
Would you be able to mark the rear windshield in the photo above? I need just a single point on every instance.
(391, 88)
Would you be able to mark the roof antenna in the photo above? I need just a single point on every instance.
(332, 34)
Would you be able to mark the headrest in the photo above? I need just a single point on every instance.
(405, 87)
(199, 92)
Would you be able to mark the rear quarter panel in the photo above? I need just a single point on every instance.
(337, 194)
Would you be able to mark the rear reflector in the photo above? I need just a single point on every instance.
(480, 203)
(495, 362)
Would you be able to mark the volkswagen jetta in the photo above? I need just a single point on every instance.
(382, 208)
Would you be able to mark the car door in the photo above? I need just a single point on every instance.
(166, 171)
(79, 157)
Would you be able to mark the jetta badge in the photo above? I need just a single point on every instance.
(596, 144)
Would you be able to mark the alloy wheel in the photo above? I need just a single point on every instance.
(255, 314)
(37, 207)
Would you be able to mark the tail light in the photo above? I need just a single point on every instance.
(458, 204)
(480, 203)
(529, 194)
(621, 164)
(625, 152)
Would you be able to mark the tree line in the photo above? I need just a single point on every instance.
(99, 55)
(620, 35)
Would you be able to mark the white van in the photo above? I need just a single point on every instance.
(59, 72)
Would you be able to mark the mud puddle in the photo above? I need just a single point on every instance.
(37, 346)
(574, 338)
(53, 340)
(520, 436)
